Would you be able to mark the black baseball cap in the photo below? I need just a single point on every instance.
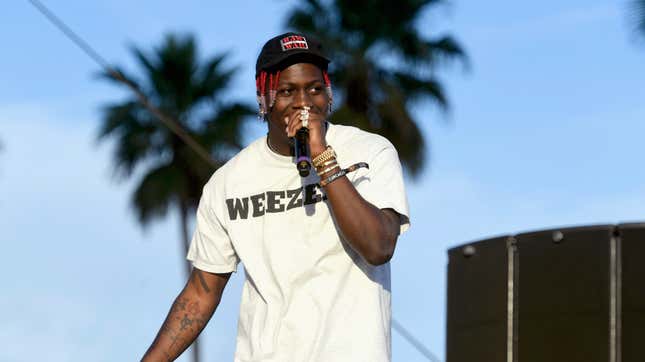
(290, 48)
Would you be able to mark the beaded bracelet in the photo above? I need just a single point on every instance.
(342, 173)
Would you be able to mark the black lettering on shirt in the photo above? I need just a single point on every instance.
(273, 201)
(311, 196)
(258, 204)
(237, 206)
(295, 200)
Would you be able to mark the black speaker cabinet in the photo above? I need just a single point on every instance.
(477, 302)
(560, 295)
(632, 286)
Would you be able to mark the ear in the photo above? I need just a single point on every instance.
(261, 107)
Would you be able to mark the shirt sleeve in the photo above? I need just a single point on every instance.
(382, 185)
(211, 249)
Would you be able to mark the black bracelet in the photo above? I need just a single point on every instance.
(343, 172)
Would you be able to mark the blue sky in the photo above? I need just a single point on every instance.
(545, 131)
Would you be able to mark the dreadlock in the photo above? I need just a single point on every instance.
(274, 78)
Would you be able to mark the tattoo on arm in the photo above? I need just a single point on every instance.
(185, 322)
(187, 317)
(203, 281)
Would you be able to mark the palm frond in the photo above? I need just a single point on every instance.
(171, 72)
(415, 87)
(302, 20)
(444, 50)
(157, 191)
(347, 116)
(146, 63)
(133, 130)
(211, 79)
(366, 18)
(401, 129)
(311, 17)
(225, 127)
(106, 75)
(639, 13)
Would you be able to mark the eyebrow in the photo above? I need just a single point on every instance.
(308, 84)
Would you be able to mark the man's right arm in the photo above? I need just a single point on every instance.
(188, 315)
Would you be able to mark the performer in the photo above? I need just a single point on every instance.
(315, 249)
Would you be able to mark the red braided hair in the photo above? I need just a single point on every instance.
(274, 79)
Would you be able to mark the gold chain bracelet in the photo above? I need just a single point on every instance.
(326, 155)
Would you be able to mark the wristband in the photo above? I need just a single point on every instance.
(342, 173)
(332, 178)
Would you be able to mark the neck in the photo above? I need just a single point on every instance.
(283, 151)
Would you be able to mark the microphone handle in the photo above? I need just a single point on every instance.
(301, 148)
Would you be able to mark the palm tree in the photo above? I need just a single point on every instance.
(639, 12)
(188, 91)
(381, 65)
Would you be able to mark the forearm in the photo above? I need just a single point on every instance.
(188, 315)
(368, 230)
(186, 319)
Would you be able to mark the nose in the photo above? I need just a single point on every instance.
(302, 99)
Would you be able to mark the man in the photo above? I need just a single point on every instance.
(315, 249)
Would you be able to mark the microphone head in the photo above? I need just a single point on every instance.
(303, 167)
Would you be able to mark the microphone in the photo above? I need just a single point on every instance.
(301, 150)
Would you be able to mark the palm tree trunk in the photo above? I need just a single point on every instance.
(186, 243)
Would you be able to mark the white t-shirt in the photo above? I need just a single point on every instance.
(307, 296)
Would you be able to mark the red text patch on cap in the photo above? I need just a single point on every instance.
(293, 42)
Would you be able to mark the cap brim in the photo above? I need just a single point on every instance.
(297, 57)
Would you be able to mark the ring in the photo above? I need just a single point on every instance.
(304, 116)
